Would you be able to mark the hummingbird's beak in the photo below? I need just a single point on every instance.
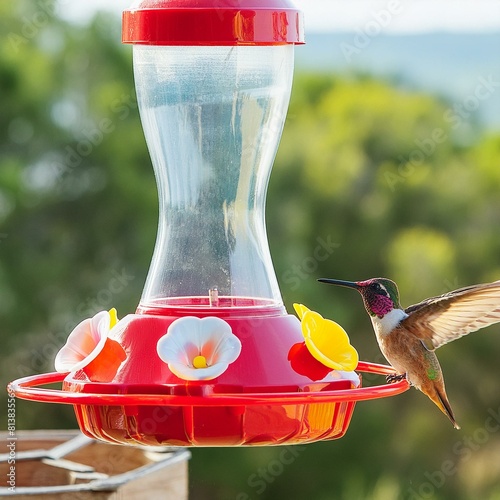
(348, 284)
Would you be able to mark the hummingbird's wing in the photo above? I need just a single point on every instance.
(439, 320)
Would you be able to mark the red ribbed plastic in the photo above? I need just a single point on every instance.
(213, 22)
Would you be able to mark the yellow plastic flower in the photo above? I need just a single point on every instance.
(326, 340)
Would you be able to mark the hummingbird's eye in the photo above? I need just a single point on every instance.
(380, 289)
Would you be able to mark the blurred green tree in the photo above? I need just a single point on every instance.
(370, 179)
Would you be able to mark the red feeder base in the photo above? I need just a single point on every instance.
(263, 398)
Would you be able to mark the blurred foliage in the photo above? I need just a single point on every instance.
(371, 173)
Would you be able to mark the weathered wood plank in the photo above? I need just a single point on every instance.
(56, 465)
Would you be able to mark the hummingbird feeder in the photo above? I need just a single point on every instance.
(210, 357)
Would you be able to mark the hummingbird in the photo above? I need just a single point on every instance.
(408, 337)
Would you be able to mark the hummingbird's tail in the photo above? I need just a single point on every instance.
(439, 397)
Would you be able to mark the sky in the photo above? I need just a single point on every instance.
(395, 16)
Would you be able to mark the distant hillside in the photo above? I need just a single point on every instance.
(450, 64)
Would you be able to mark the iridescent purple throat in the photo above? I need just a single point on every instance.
(381, 305)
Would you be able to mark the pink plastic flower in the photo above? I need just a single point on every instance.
(86, 342)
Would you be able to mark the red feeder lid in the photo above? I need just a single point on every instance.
(212, 22)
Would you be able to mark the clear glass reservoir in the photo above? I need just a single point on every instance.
(212, 117)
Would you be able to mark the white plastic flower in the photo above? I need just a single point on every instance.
(199, 349)
(85, 342)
